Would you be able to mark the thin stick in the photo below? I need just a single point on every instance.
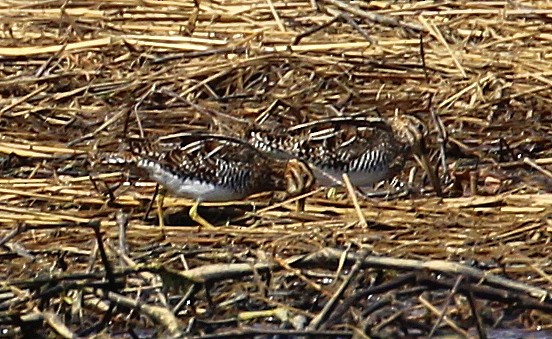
(445, 306)
(353, 196)
(378, 18)
(23, 99)
(449, 322)
(276, 16)
(536, 166)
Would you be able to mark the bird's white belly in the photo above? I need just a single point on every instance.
(190, 188)
(358, 178)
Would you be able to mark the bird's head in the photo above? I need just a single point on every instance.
(298, 177)
(412, 132)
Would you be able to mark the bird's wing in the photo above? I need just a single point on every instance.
(336, 143)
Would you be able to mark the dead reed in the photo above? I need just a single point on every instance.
(81, 256)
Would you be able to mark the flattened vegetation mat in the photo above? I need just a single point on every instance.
(82, 252)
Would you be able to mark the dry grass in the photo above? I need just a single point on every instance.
(80, 255)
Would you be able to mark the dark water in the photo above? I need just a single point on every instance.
(514, 334)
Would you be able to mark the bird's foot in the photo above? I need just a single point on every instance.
(194, 215)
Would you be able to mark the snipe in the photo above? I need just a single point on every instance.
(369, 150)
(212, 168)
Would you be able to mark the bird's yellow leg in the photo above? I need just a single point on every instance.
(160, 216)
(198, 218)
(300, 204)
(331, 193)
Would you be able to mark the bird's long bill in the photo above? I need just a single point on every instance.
(423, 160)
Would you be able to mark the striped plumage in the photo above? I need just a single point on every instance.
(367, 149)
(208, 167)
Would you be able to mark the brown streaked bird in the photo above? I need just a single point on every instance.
(368, 150)
(213, 168)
